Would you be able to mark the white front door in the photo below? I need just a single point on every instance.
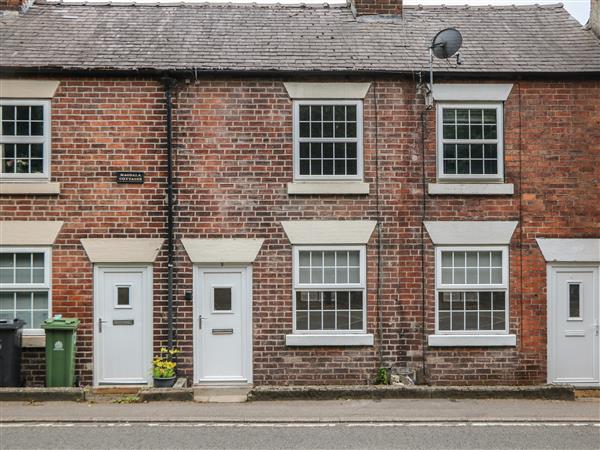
(122, 325)
(222, 345)
(573, 317)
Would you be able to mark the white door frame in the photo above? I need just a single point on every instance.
(246, 271)
(551, 270)
(147, 310)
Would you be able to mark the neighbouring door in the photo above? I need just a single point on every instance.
(574, 314)
(123, 325)
(222, 305)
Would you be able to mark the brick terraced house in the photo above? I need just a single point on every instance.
(277, 191)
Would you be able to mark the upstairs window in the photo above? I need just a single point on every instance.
(328, 140)
(329, 290)
(24, 139)
(470, 145)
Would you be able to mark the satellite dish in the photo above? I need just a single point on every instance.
(446, 43)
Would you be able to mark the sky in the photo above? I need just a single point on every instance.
(580, 9)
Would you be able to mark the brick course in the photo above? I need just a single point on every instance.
(233, 160)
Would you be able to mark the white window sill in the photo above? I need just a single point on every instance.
(471, 188)
(33, 340)
(328, 339)
(327, 187)
(472, 340)
(29, 187)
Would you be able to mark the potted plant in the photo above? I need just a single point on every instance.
(164, 368)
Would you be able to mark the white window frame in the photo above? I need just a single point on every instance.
(46, 286)
(501, 287)
(358, 140)
(45, 140)
(499, 106)
(330, 287)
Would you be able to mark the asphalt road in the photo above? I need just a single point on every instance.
(426, 435)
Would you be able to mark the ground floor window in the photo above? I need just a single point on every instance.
(472, 290)
(25, 285)
(329, 289)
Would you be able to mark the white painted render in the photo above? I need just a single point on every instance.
(122, 250)
(328, 232)
(28, 88)
(331, 187)
(483, 92)
(205, 251)
(470, 232)
(570, 250)
(345, 91)
(29, 232)
(471, 188)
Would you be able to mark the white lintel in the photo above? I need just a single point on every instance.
(28, 88)
(113, 250)
(327, 90)
(472, 92)
(206, 251)
(29, 232)
(470, 232)
(570, 250)
(328, 232)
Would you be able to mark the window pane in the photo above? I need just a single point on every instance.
(458, 321)
(301, 320)
(329, 320)
(574, 301)
(123, 296)
(343, 320)
(498, 302)
(301, 300)
(38, 318)
(343, 300)
(356, 300)
(7, 276)
(7, 301)
(356, 322)
(24, 300)
(23, 275)
(444, 301)
(314, 320)
(40, 300)
(444, 321)
(499, 320)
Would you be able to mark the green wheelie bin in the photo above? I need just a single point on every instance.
(61, 335)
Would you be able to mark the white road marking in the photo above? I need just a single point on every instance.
(292, 425)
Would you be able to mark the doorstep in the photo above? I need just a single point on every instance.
(222, 394)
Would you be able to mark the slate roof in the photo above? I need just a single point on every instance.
(229, 37)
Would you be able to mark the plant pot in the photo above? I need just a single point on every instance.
(164, 382)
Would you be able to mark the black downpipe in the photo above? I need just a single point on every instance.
(168, 82)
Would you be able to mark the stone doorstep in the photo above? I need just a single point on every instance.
(230, 394)
(587, 392)
(221, 394)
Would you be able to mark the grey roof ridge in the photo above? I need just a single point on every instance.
(205, 4)
(234, 4)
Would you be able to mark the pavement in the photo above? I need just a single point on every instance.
(306, 411)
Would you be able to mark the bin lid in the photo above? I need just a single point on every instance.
(61, 323)
(15, 324)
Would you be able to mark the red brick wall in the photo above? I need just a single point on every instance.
(233, 146)
(367, 7)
